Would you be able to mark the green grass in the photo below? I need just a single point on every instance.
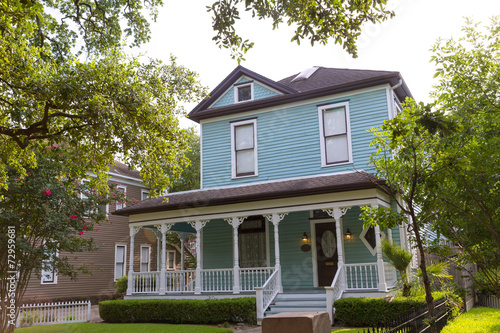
(349, 330)
(122, 328)
(477, 320)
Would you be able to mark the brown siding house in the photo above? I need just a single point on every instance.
(113, 240)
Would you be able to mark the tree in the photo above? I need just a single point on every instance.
(189, 178)
(400, 259)
(319, 21)
(43, 214)
(468, 192)
(440, 161)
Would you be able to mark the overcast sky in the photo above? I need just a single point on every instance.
(183, 28)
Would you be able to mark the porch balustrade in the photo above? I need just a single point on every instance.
(219, 280)
(146, 282)
(266, 294)
(250, 278)
(212, 280)
(361, 276)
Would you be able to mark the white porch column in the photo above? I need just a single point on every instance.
(158, 249)
(337, 214)
(130, 287)
(275, 218)
(182, 237)
(163, 228)
(235, 223)
(382, 286)
(198, 225)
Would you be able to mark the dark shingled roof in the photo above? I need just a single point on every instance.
(123, 170)
(324, 81)
(264, 191)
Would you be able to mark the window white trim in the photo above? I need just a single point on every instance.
(373, 251)
(121, 205)
(321, 110)
(233, 148)
(52, 272)
(145, 260)
(167, 260)
(124, 260)
(241, 85)
(144, 192)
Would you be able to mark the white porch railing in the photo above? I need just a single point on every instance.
(180, 281)
(361, 276)
(391, 276)
(52, 313)
(146, 282)
(266, 293)
(217, 280)
(250, 278)
(334, 292)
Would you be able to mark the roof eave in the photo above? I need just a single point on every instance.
(392, 79)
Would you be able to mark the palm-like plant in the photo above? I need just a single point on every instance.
(400, 259)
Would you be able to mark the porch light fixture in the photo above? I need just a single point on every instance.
(348, 234)
(305, 238)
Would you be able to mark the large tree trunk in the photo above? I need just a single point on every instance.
(425, 278)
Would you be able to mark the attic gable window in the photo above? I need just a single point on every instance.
(335, 134)
(244, 148)
(243, 92)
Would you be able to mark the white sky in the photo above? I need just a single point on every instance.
(183, 28)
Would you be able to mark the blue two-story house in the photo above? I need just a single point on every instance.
(284, 174)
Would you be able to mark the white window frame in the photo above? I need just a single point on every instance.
(145, 246)
(167, 260)
(53, 272)
(241, 85)
(142, 194)
(321, 110)
(121, 205)
(124, 260)
(233, 147)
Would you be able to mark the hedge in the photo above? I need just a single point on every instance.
(359, 312)
(178, 311)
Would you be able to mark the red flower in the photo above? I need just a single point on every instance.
(84, 227)
(88, 222)
(47, 192)
(73, 217)
(80, 233)
(97, 229)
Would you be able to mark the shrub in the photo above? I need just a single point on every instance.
(372, 311)
(121, 285)
(178, 311)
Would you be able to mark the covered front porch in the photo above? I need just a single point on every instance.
(262, 248)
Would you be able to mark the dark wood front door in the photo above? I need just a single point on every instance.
(326, 253)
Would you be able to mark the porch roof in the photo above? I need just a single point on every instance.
(278, 189)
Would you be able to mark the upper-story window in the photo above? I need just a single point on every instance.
(335, 134)
(122, 189)
(243, 92)
(244, 148)
(144, 194)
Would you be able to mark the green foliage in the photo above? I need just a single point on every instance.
(481, 282)
(123, 328)
(400, 259)
(372, 311)
(477, 320)
(319, 21)
(121, 285)
(189, 178)
(210, 311)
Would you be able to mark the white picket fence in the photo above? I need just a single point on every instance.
(53, 313)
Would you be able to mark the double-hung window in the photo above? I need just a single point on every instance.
(170, 260)
(120, 257)
(335, 134)
(49, 275)
(244, 148)
(145, 258)
(122, 189)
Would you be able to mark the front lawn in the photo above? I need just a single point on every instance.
(477, 320)
(349, 330)
(122, 328)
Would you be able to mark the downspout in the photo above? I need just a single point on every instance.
(397, 85)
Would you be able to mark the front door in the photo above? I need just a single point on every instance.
(326, 253)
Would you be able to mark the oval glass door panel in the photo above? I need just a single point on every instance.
(328, 244)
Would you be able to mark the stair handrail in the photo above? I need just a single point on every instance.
(265, 295)
(334, 292)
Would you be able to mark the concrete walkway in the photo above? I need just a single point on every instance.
(95, 318)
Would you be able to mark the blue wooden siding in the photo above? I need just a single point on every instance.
(217, 245)
(288, 142)
(259, 92)
(355, 250)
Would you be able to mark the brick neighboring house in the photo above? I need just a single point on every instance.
(111, 261)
